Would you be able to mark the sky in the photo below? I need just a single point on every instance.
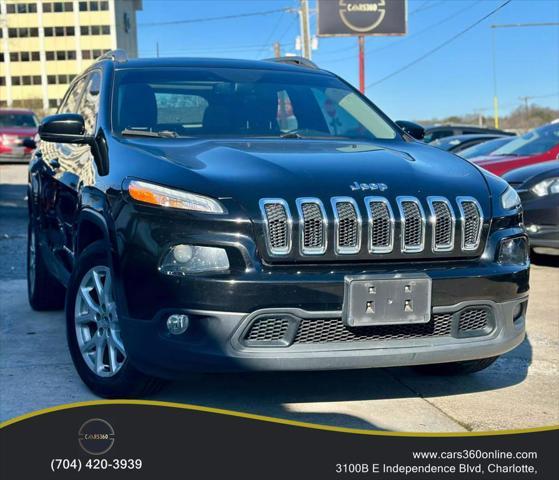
(457, 79)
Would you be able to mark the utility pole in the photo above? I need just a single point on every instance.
(277, 49)
(305, 29)
(361, 40)
(508, 25)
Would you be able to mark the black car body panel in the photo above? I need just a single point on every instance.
(79, 195)
(541, 213)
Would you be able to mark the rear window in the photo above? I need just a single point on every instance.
(8, 119)
(536, 141)
(225, 102)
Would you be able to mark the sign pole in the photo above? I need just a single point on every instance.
(361, 40)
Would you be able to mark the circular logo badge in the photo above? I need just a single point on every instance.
(96, 436)
(362, 15)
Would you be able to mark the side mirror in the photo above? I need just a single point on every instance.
(413, 129)
(64, 128)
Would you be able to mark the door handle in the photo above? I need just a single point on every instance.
(54, 163)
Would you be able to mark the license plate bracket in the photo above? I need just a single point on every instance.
(386, 299)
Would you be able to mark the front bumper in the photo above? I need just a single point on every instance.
(215, 342)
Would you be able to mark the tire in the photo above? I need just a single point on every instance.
(44, 291)
(92, 323)
(457, 368)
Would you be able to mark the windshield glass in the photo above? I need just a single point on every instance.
(535, 141)
(224, 102)
(484, 148)
(8, 119)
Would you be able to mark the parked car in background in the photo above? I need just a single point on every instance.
(457, 143)
(17, 131)
(538, 187)
(538, 145)
(435, 132)
(485, 148)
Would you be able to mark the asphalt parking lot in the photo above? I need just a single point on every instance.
(520, 390)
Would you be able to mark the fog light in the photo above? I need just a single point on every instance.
(517, 311)
(183, 259)
(513, 251)
(177, 323)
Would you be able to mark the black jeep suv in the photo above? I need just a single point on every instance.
(203, 214)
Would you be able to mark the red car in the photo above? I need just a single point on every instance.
(17, 131)
(538, 145)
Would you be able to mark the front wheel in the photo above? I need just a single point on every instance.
(457, 368)
(93, 331)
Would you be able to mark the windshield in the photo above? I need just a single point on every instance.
(224, 102)
(484, 148)
(8, 119)
(535, 141)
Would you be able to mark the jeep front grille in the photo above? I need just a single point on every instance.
(412, 220)
(381, 225)
(347, 225)
(443, 224)
(313, 226)
(408, 231)
(277, 220)
(472, 222)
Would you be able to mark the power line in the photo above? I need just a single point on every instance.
(213, 19)
(440, 46)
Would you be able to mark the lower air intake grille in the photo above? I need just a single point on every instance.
(333, 330)
(473, 319)
(268, 330)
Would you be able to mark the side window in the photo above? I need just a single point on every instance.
(89, 104)
(70, 103)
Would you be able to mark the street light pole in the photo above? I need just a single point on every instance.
(305, 29)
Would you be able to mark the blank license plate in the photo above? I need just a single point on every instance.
(386, 299)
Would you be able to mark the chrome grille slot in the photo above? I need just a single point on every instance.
(313, 226)
(472, 222)
(348, 225)
(278, 223)
(443, 224)
(412, 221)
(381, 225)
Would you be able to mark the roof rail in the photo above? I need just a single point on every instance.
(299, 61)
(118, 55)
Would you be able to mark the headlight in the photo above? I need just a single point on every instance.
(169, 197)
(546, 187)
(513, 251)
(510, 199)
(184, 259)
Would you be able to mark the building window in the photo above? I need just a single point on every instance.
(71, 54)
(21, 8)
(62, 79)
(36, 79)
(49, 55)
(13, 57)
(83, 6)
(12, 32)
(86, 54)
(2, 81)
(70, 32)
(106, 30)
(54, 102)
(1, 57)
(51, 79)
(26, 80)
(47, 7)
(25, 57)
(16, 81)
(94, 6)
(35, 56)
(95, 30)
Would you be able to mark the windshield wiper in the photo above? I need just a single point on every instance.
(291, 135)
(149, 133)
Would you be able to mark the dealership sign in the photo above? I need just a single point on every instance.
(361, 17)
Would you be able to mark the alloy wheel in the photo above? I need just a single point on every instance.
(97, 325)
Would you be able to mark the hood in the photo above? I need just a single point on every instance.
(521, 175)
(289, 168)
